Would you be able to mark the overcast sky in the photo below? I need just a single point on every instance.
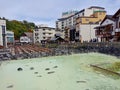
(48, 11)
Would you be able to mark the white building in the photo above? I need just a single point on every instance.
(3, 33)
(66, 20)
(70, 20)
(87, 32)
(43, 33)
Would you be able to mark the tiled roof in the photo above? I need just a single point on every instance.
(108, 17)
(118, 12)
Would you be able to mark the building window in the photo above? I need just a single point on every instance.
(69, 19)
(36, 34)
(116, 25)
(9, 34)
(100, 13)
(22, 40)
(36, 29)
(43, 37)
(62, 27)
(50, 33)
(3, 29)
(82, 14)
(43, 33)
(43, 29)
(87, 19)
(49, 38)
(119, 24)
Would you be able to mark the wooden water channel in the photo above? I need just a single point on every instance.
(105, 71)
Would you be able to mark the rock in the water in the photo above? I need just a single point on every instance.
(55, 67)
(39, 76)
(32, 68)
(19, 69)
(35, 72)
(47, 69)
(51, 72)
(10, 86)
(81, 81)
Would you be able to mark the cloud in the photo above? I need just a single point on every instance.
(48, 11)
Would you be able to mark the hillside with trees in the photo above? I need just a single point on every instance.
(19, 27)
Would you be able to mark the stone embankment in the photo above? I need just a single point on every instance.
(33, 51)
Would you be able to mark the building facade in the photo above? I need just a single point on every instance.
(67, 19)
(85, 15)
(109, 29)
(43, 33)
(116, 16)
(85, 25)
(10, 37)
(3, 41)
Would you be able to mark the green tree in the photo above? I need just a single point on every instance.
(19, 27)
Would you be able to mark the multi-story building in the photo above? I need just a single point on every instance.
(10, 37)
(85, 25)
(68, 24)
(3, 41)
(109, 29)
(60, 33)
(116, 16)
(66, 20)
(43, 33)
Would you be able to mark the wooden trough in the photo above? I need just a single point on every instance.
(106, 71)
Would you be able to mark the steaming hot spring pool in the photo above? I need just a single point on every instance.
(72, 72)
